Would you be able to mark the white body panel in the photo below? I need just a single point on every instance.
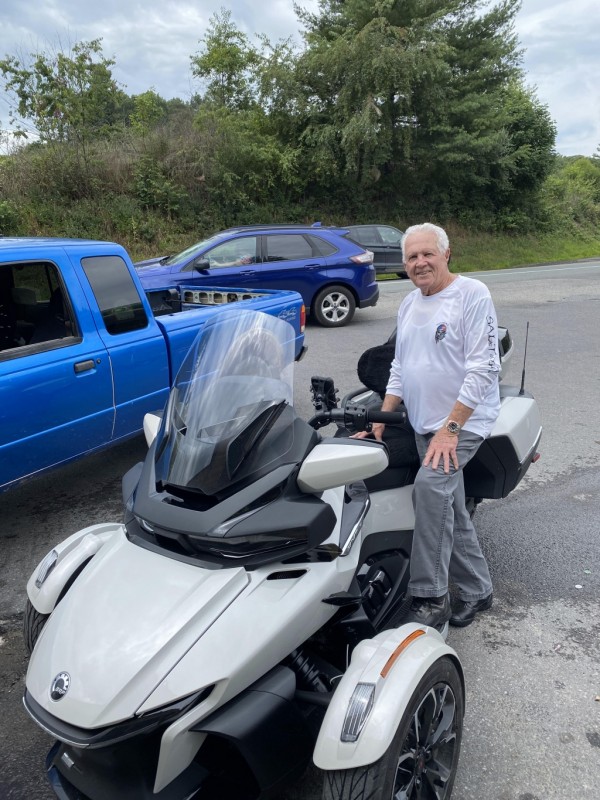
(140, 627)
(329, 465)
(391, 510)
(72, 552)
(392, 695)
(132, 617)
(270, 620)
(519, 420)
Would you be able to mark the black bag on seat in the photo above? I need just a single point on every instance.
(374, 372)
(374, 367)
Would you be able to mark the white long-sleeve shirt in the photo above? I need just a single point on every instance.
(447, 350)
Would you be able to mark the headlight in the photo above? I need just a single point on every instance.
(359, 708)
(46, 568)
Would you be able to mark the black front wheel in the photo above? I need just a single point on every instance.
(421, 761)
(334, 306)
(33, 623)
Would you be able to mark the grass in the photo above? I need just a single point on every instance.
(480, 251)
(168, 245)
(472, 252)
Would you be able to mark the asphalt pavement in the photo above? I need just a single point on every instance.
(532, 664)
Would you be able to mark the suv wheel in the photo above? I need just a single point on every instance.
(334, 306)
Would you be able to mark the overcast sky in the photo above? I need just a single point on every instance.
(152, 41)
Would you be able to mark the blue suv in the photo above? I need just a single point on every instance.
(334, 275)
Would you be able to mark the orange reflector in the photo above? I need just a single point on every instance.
(536, 457)
(399, 650)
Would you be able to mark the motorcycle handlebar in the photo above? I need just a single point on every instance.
(357, 418)
(388, 417)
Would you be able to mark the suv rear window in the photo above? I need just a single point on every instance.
(321, 246)
(289, 247)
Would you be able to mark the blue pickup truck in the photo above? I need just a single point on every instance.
(85, 352)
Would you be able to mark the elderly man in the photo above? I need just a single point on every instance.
(445, 369)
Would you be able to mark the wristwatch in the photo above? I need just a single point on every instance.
(452, 427)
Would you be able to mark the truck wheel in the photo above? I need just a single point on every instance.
(33, 622)
(334, 306)
(422, 759)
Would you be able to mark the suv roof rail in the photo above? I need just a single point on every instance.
(273, 225)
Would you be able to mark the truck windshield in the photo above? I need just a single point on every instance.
(230, 411)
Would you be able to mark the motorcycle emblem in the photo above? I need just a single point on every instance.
(440, 332)
(60, 686)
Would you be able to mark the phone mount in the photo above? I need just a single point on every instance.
(324, 394)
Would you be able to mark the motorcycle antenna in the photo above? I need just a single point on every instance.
(522, 389)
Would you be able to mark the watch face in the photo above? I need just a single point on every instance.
(453, 427)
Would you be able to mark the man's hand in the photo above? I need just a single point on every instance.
(390, 403)
(442, 447)
(376, 430)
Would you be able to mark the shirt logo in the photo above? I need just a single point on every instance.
(440, 332)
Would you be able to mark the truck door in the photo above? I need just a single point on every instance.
(136, 346)
(56, 397)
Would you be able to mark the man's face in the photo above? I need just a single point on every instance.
(425, 265)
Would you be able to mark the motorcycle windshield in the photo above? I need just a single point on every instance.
(230, 409)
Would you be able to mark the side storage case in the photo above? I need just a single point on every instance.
(505, 456)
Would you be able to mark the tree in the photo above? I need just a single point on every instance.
(227, 62)
(148, 110)
(69, 97)
(421, 101)
(461, 146)
(532, 133)
(242, 166)
(363, 64)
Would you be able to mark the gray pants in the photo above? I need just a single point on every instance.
(445, 545)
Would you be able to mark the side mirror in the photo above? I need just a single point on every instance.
(202, 265)
(151, 425)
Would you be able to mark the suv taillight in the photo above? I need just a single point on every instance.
(363, 258)
(302, 318)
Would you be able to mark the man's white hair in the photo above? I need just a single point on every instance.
(440, 234)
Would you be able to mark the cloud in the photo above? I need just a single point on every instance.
(562, 62)
(152, 43)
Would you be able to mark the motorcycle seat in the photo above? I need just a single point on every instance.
(392, 478)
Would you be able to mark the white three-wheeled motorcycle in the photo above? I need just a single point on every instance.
(247, 614)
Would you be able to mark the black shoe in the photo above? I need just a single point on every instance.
(431, 611)
(463, 611)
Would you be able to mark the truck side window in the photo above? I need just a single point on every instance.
(118, 299)
(35, 312)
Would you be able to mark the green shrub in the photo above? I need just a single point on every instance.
(10, 218)
(155, 190)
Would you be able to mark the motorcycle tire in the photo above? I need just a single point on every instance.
(33, 623)
(438, 704)
(334, 306)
